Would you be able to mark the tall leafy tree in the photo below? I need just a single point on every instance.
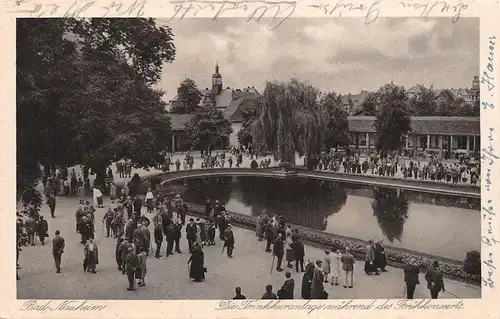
(208, 129)
(289, 121)
(424, 104)
(393, 119)
(250, 115)
(188, 97)
(84, 93)
(335, 129)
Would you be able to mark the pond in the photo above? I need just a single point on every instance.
(441, 225)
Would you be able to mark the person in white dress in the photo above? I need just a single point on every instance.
(335, 267)
(327, 260)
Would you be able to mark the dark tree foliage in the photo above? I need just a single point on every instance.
(84, 94)
(390, 207)
(188, 98)
(336, 126)
(369, 105)
(393, 119)
(208, 128)
(250, 115)
(424, 104)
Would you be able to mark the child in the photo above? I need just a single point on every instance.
(211, 233)
(327, 260)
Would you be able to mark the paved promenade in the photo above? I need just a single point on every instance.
(167, 278)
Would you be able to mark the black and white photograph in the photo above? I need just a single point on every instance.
(193, 159)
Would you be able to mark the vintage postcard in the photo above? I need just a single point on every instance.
(237, 159)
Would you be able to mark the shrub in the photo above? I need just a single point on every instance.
(472, 263)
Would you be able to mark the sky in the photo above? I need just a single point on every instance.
(341, 55)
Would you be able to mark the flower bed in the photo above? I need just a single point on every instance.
(395, 258)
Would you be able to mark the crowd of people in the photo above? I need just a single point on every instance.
(465, 171)
(127, 223)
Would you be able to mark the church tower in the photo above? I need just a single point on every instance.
(216, 82)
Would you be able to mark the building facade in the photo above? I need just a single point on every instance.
(231, 102)
(444, 136)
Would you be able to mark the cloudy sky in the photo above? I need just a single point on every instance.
(343, 55)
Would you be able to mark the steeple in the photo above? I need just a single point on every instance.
(216, 82)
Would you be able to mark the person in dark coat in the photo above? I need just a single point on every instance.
(222, 225)
(229, 240)
(170, 239)
(183, 210)
(196, 262)
(118, 253)
(286, 291)
(30, 226)
(278, 250)
(298, 252)
(86, 229)
(191, 233)
(137, 205)
(158, 235)
(132, 262)
(317, 287)
(434, 278)
(51, 201)
(411, 279)
(269, 293)
(41, 228)
(124, 248)
(107, 220)
(58, 249)
(177, 238)
(269, 236)
(307, 281)
(380, 257)
(208, 208)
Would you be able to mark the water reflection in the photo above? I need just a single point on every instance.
(442, 225)
(390, 207)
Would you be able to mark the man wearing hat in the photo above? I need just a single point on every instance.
(434, 278)
(411, 271)
(191, 233)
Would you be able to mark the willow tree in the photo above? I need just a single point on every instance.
(289, 121)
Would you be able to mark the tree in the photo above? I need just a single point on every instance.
(208, 128)
(188, 97)
(84, 93)
(424, 104)
(289, 121)
(369, 105)
(250, 116)
(335, 129)
(393, 119)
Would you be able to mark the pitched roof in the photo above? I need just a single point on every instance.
(235, 110)
(434, 125)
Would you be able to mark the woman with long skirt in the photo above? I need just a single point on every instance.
(196, 262)
(307, 280)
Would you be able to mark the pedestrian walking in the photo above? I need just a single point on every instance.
(434, 278)
(411, 273)
(58, 249)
